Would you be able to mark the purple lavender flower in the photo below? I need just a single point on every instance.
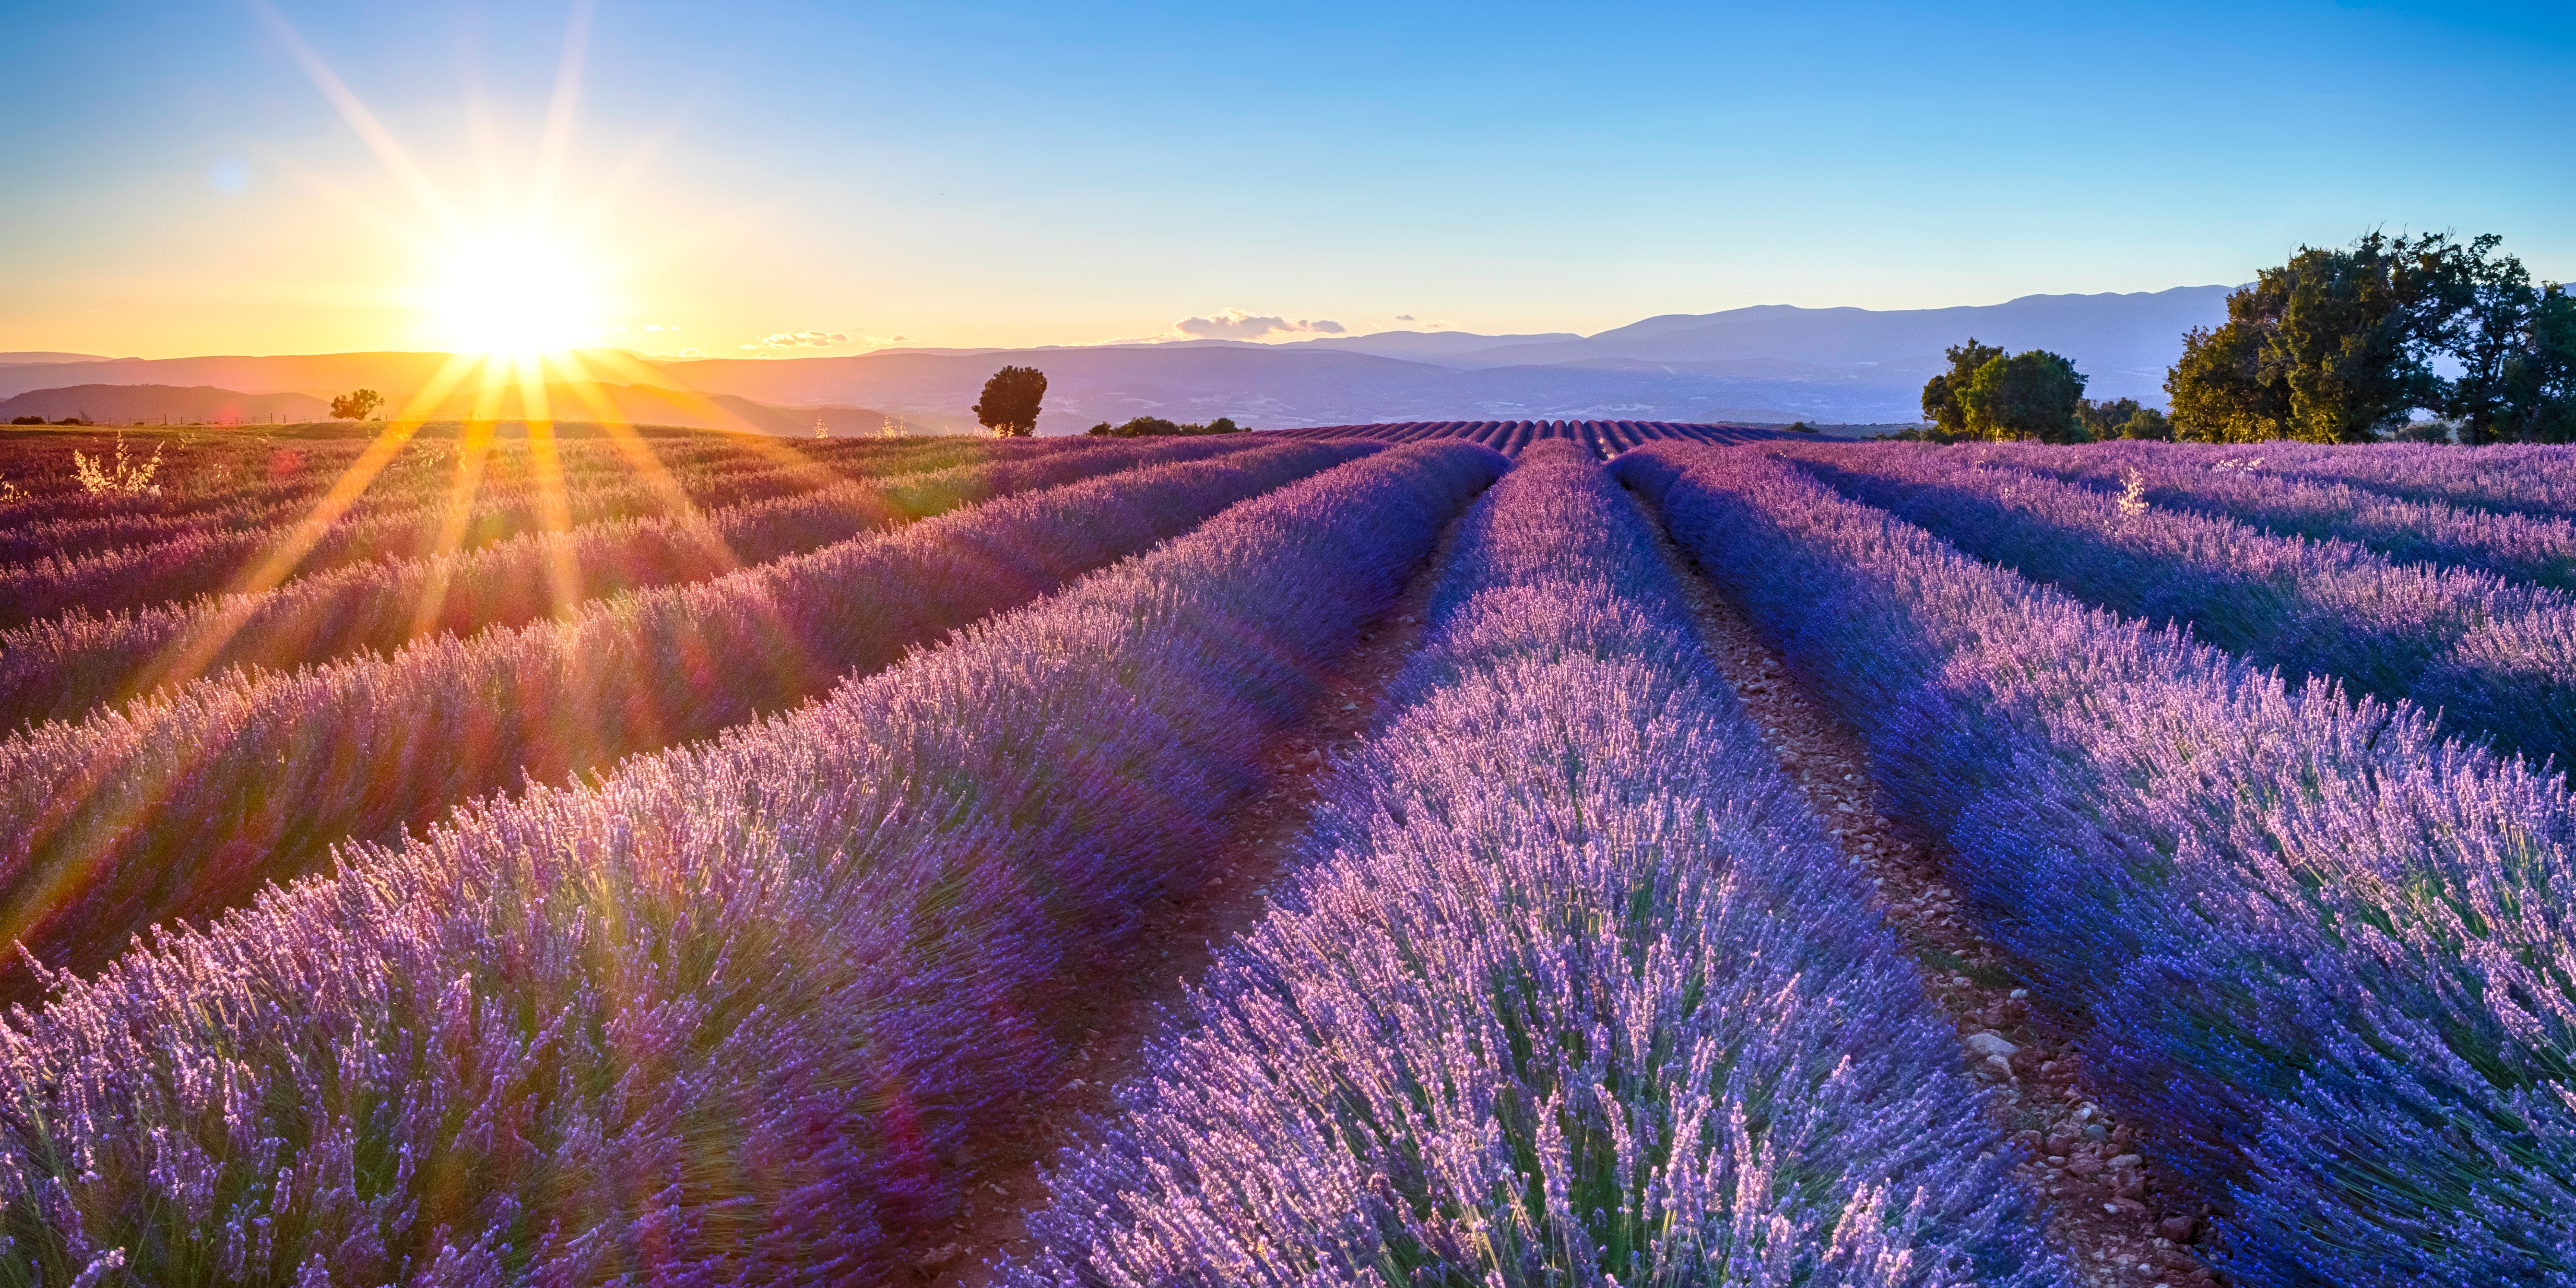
(2328, 954)
(742, 1011)
(1566, 987)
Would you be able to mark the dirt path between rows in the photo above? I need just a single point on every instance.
(2104, 1206)
(1181, 937)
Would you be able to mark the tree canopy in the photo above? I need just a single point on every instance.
(1941, 403)
(1157, 427)
(2342, 346)
(2028, 395)
(1009, 406)
(357, 404)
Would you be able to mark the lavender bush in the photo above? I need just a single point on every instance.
(1567, 987)
(184, 802)
(2330, 955)
(2515, 547)
(2496, 659)
(61, 669)
(739, 1014)
(173, 558)
(258, 485)
(2512, 478)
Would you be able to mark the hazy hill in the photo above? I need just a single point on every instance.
(657, 405)
(629, 404)
(196, 404)
(1766, 363)
(13, 359)
(2124, 342)
(320, 374)
(1256, 385)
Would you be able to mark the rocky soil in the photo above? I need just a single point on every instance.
(2104, 1205)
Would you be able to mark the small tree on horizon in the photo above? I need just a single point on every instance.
(1009, 406)
(1941, 404)
(357, 404)
(2033, 394)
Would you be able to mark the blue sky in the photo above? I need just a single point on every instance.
(1006, 174)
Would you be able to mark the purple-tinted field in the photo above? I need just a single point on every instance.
(1565, 976)
(694, 860)
(2329, 952)
(1511, 437)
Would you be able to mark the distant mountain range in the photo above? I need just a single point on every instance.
(1770, 363)
(15, 359)
(109, 404)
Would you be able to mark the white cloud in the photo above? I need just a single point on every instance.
(1403, 317)
(799, 340)
(1235, 324)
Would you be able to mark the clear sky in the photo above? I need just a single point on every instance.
(175, 178)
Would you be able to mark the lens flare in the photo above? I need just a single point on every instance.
(514, 292)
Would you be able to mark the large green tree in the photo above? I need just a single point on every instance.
(2353, 333)
(2221, 390)
(2514, 341)
(1941, 403)
(1009, 406)
(2028, 395)
(2334, 346)
(2539, 404)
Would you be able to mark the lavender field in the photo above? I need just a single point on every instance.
(1389, 854)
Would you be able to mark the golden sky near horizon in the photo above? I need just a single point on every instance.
(786, 177)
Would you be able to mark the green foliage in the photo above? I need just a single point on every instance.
(2346, 335)
(2515, 342)
(2338, 346)
(1157, 427)
(2147, 423)
(26, 420)
(2121, 418)
(357, 404)
(2540, 381)
(1802, 427)
(1009, 406)
(2104, 419)
(1941, 403)
(2028, 395)
(2220, 390)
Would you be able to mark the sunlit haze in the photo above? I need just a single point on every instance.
(772, 179)
(512, 292)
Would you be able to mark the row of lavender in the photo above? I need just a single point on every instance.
(2507, 478)
(185, 801)
(61, 669)
(741, 1013)
(258, 487)
(1601, 437)
(208, 554)
(1565, 986)
(2496, 658)
(2330, 953)
(2288, 503)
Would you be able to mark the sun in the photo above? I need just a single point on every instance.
(513, 292)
